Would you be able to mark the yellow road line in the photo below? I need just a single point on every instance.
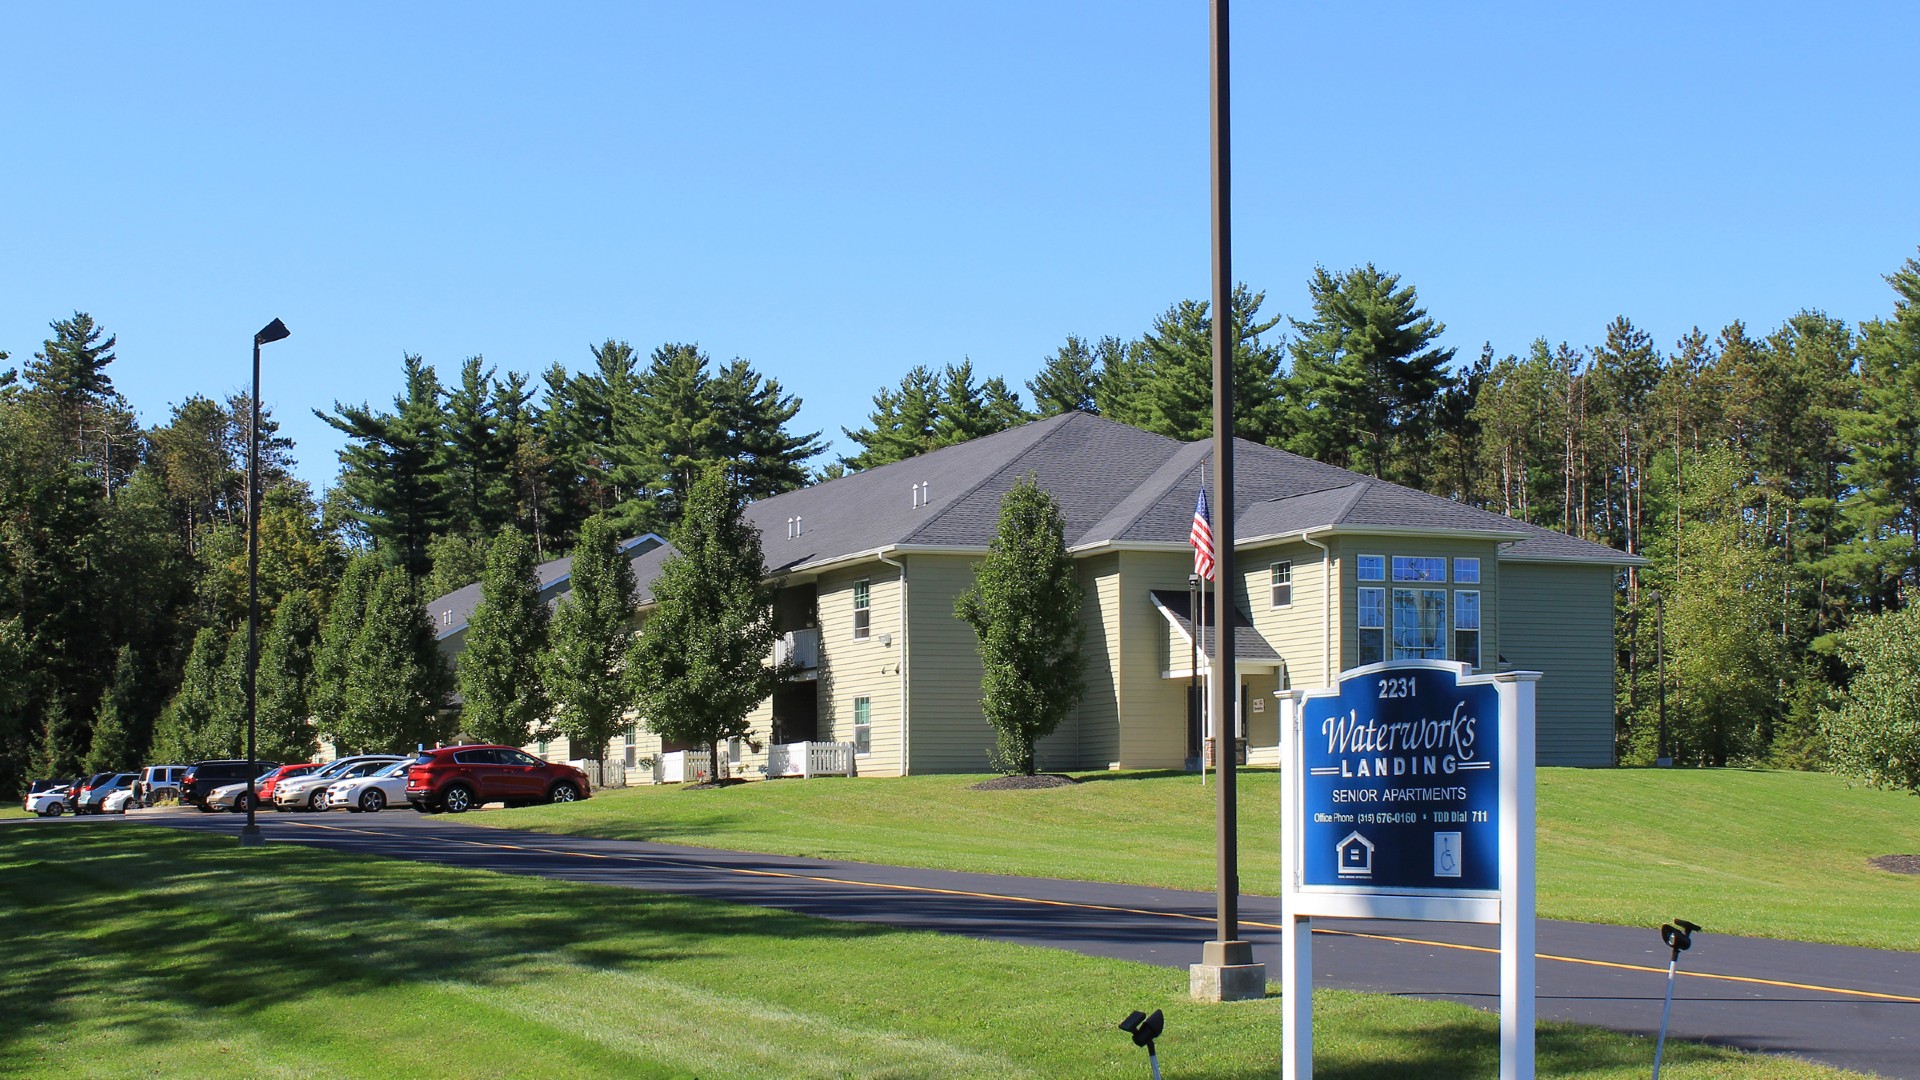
(1043, 902)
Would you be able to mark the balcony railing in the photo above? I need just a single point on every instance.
(800, 646)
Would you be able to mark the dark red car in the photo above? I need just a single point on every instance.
(458, 778)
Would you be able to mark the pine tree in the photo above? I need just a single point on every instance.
(904, 422)
(765, 457)
(1882, 511)
(1170, 391)
(478, 459)
(1365, 374)
(1068, 381)
(283, 712)
(699, 667)
(1024, 607)
(499, 671)
(114, 726)
(393, 470)
(67, 382)
(587, 642)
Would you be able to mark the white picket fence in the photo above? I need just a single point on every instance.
(603, 775)
(810, 759)
(802, 759)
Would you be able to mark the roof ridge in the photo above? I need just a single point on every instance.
(987, 478)
(1179, 468)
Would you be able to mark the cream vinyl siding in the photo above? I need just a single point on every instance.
(1294, 631)
(1559, 622)
(1152, 708)
(1090, 739)
(851, 668)
(950, 732)
(1346, 548)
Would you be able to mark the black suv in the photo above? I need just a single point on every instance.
(203, 776)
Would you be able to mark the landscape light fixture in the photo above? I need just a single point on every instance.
(1678, 936)
(273, 331)
(1144, 1030)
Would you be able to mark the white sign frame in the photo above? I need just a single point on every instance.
(1512, 908)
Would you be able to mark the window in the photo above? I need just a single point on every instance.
(733, 751)
(1282, 584)
(862, 609)
(862, 725)
(1371, 567)
(1419, 568)
(1373, 626)
(633, 736)
(1466, 627)
(517, 757)
(1466, 571)
(542, 746)
(1419, 624)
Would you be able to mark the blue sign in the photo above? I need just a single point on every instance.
(1401, 784)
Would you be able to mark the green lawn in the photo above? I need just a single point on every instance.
(135, 950)
(1770, 854)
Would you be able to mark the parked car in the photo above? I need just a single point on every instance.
(309, 792)
(78, 802)
(203, 776)
(51, 801)
(270, 783)
(234, 796)
(459, 778)
(372, 792)
(118, 802)
(90, 801)
(155, 781)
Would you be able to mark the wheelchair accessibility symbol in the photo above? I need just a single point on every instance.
(1446, 854)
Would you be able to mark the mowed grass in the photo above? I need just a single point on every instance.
(136, 950)
(1768, 854)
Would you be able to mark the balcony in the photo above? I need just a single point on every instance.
(802, 647)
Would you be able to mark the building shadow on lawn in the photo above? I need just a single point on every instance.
(107, 933)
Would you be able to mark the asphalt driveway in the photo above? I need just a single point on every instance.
(1854, 1008)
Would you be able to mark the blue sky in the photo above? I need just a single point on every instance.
(839, 191)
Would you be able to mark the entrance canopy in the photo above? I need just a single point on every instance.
(1251, 652)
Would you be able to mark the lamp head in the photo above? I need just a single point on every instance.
(273, 331)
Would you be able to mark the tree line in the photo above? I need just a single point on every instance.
(1772, 481)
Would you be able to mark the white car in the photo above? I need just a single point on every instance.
(377, 791)
(309, 792)
(49, 803)
(117, 802)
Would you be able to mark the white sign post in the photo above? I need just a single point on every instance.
(1407, 792)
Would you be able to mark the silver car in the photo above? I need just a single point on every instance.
(309, 792)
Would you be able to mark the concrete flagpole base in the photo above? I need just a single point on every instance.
(1226, 972)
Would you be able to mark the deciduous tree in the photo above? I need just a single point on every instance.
(700, 665)
(504, 699)
(1024, 607)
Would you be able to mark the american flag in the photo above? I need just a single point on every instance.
(1201, 537)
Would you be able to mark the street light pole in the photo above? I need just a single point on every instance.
(1663, 758)
(273, 331)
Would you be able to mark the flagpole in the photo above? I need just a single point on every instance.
(1226, 971)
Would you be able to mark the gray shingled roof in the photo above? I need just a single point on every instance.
(1248, 645)
(450, 613)
(1116, 485)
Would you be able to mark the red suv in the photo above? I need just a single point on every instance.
(458, 778)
